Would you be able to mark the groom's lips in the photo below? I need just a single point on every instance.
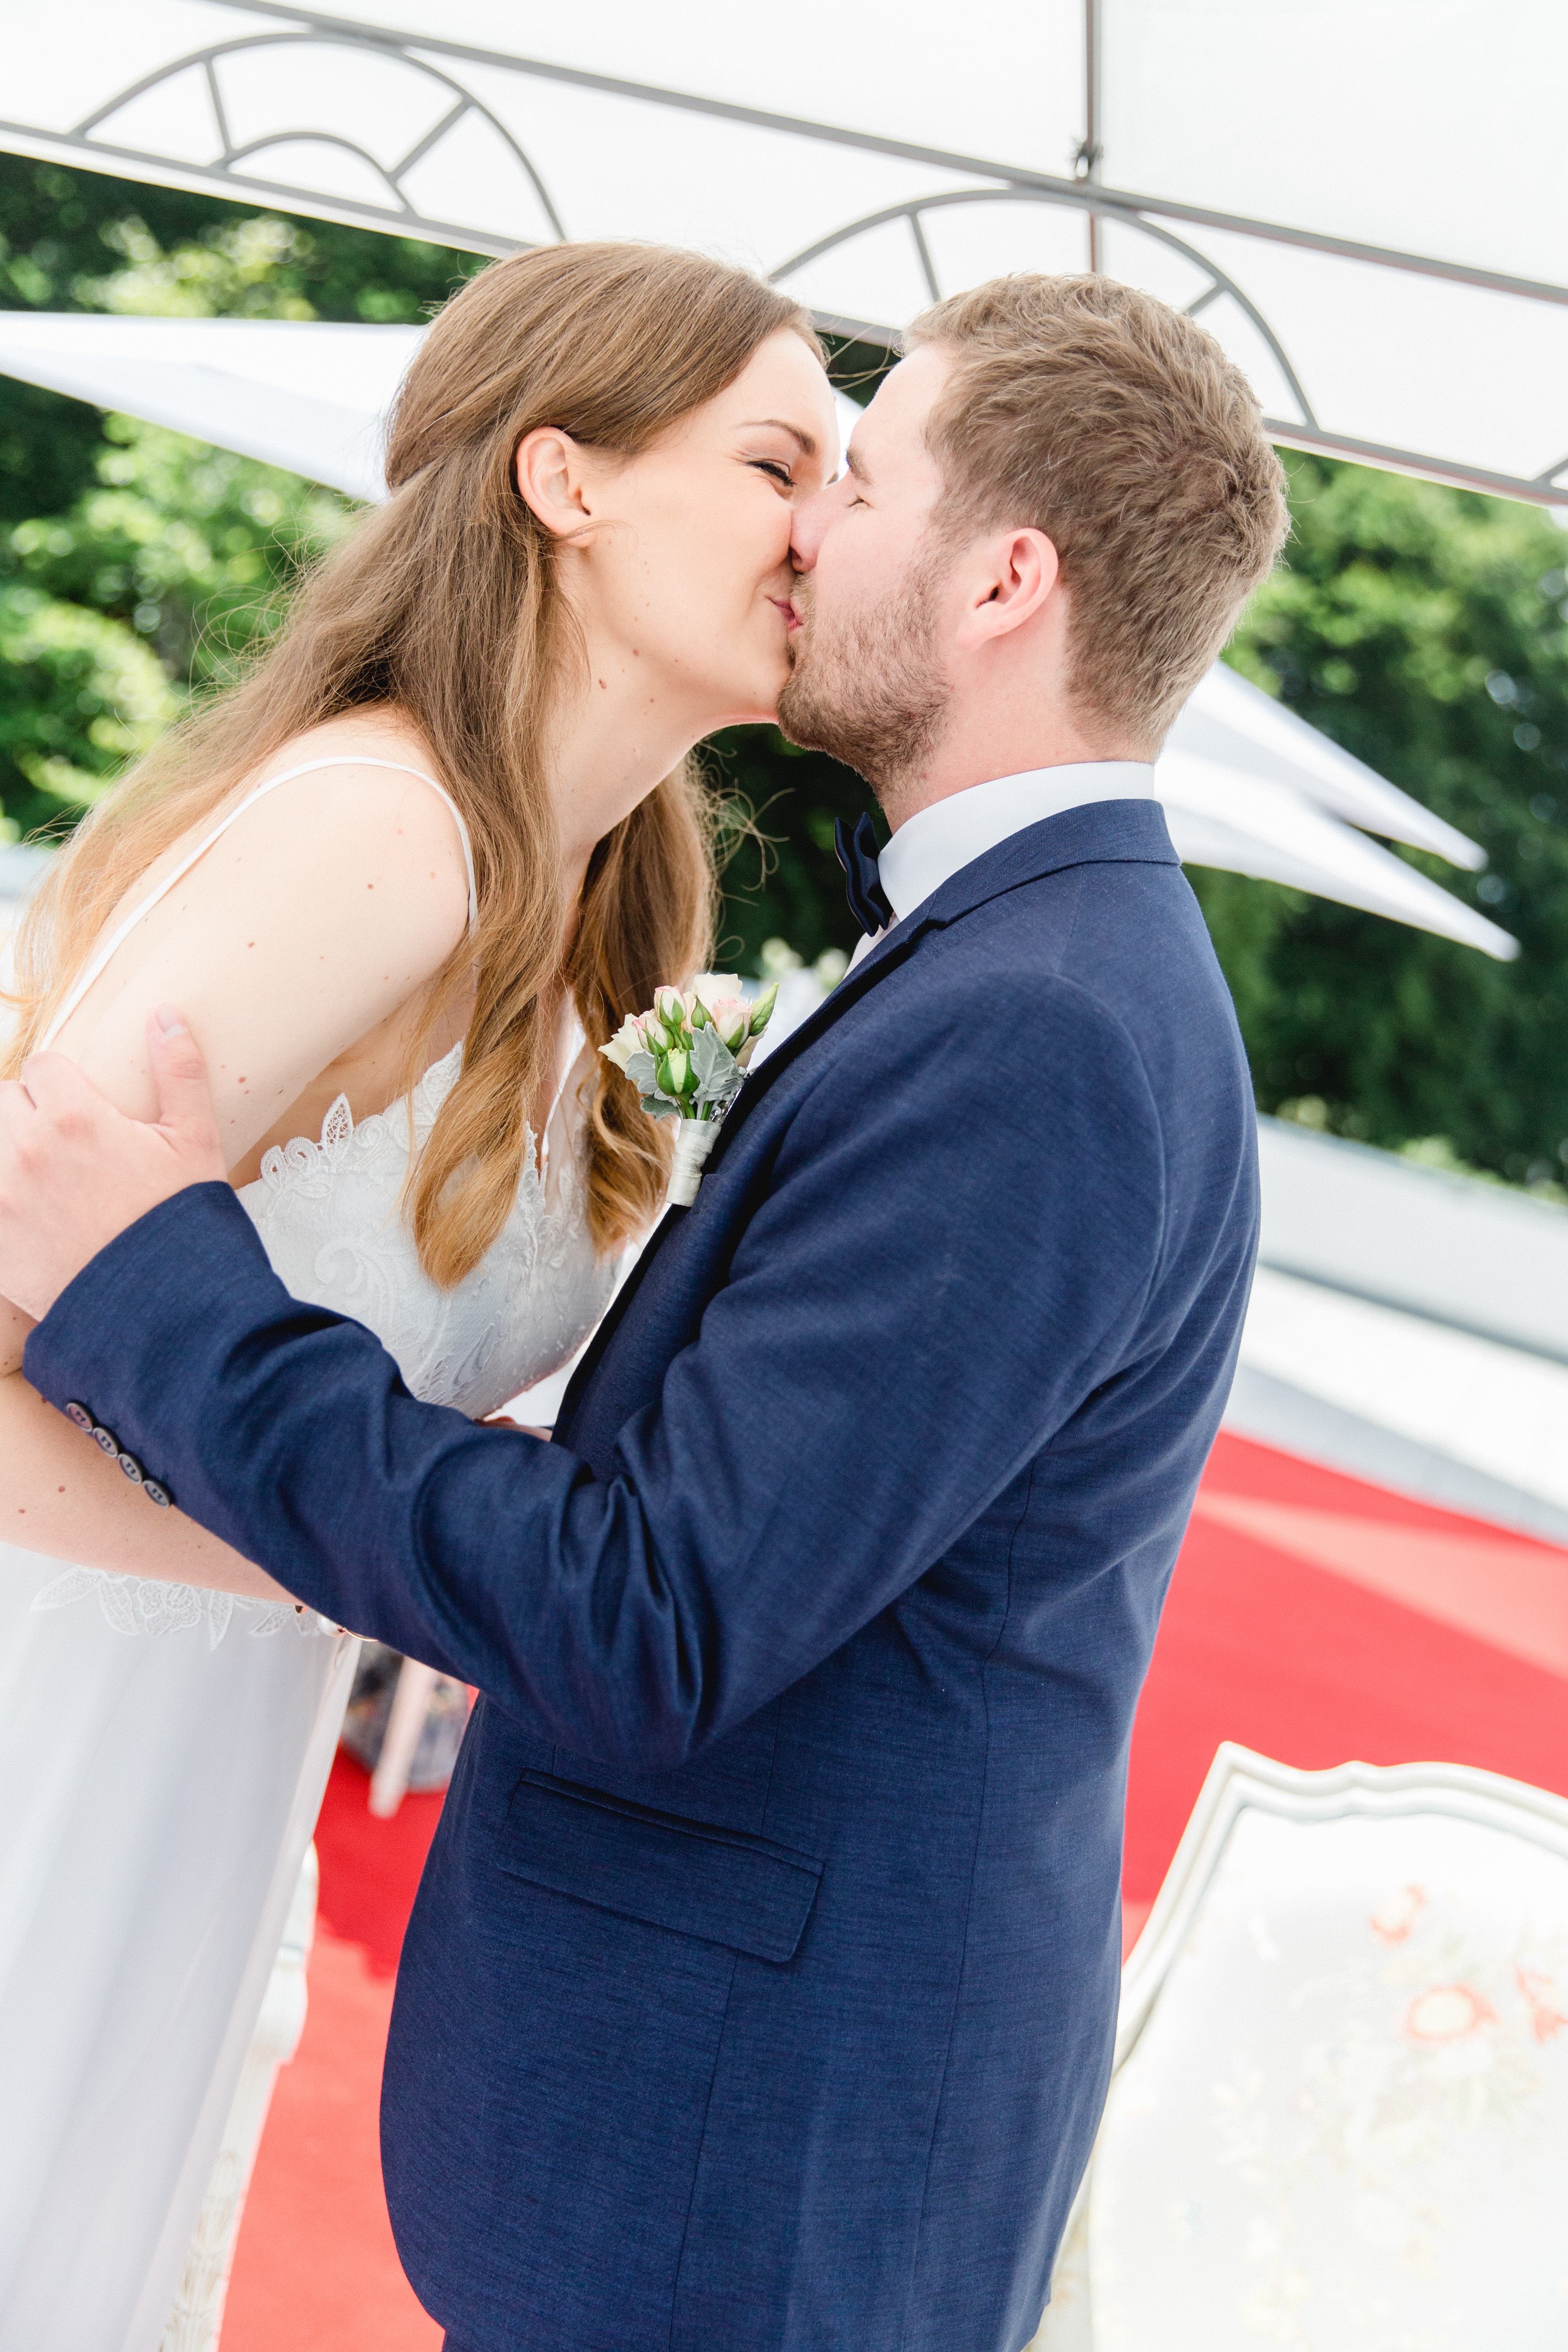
(786, 605)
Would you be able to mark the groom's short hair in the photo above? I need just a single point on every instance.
(1117, 425)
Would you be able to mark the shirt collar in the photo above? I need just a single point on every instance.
(938, 841)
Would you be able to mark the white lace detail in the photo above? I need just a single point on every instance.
(302, 1165)
(141, 1604)
(329, 1216)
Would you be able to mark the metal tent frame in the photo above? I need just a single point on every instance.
(239, 170)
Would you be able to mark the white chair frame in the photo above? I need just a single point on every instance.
(196, 2319)
(1239, 1779)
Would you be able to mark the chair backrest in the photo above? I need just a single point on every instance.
(1340, 2109)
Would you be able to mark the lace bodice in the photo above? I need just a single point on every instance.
(329, 1216)
(330, 1219)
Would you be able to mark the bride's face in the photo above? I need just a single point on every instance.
(684, 578)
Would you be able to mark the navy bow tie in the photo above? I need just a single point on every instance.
(868, 902)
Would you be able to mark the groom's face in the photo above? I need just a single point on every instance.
(868, 680)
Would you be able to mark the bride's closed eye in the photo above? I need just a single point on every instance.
(777, 468)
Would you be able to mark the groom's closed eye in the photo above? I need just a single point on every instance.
(855, 477)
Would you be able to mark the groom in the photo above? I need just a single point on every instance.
(760, 1992)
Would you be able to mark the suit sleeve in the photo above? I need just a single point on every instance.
(932, 1281)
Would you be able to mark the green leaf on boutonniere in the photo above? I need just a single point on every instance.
(715, 1066)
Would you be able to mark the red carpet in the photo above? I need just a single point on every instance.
(1264, 1642)
(316, 2270)
(1312, 1617)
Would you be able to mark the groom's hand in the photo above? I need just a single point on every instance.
(75, 1171)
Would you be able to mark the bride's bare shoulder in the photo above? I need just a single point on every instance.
(346, 812)
(330, 781)
(315, 916)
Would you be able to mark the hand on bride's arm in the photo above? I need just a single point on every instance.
(348, 900)
(75, 1171)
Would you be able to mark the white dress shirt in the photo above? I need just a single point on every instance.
(930, 847)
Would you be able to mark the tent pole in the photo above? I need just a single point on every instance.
(1089, 153)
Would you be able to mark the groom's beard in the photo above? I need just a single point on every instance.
(872, 693)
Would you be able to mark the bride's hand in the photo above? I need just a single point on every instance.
(74, 1172)
(505, 1421)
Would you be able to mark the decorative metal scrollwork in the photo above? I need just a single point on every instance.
(233, 155)
(1083, 197)
(237, 160)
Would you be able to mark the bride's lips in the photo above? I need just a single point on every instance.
(785, 604)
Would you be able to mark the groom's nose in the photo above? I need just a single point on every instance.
(812, 518)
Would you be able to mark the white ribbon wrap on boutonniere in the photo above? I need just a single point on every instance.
(694, 1140)
(687, 1057)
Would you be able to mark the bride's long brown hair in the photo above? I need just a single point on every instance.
(444, 604)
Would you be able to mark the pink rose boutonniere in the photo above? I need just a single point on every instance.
(687, 1057)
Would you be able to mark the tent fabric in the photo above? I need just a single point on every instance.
(1245, 785)
(304, 395)
(1359, 197)
(1247, 824)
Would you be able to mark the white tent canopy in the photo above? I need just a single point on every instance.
(304, 395)
(1360, 197)
(1245, 785)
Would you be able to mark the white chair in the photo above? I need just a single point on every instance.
(405, 1728)
(1339, 2112)
(197, 2315)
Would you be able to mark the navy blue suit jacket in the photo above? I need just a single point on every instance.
(760, 1991)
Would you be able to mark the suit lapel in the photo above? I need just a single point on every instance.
(848, 992)
(885, 956)
(1097, 832)
(588, 1364)
(1094, 833)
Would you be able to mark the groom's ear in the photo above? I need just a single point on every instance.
(1009, 579)
(551, 479)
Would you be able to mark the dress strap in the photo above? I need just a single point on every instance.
(99, 962)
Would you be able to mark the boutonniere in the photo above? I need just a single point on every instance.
(687, 1058)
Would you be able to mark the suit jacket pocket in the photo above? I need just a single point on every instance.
(698, 1880)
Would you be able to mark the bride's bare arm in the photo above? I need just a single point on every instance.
(314, 919)
(65, 1499)
(302, 931)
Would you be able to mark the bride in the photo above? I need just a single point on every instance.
(404, 879)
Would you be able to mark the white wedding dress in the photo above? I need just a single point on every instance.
(163, 1750)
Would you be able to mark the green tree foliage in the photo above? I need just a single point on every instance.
(77, 241)
(84, 695)
(1424, 629)
(783, 880)
(175, 564)
(128, 554)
